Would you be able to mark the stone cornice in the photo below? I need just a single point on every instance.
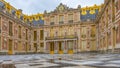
(68, 24)
(13, 18)
(102, 11)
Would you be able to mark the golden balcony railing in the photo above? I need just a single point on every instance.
(61, 37)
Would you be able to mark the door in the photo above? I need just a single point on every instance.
(114, 38)
(60, 48)
(35, 47)
(10, 51)
(51, 47)
(70, 47)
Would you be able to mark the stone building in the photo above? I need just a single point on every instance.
(108, 23)
(62, 31)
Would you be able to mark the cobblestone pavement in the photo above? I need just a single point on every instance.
(61, 61)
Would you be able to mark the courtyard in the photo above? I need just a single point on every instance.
(60, 34)
(60, 61)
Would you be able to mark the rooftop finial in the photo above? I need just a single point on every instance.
(61, 4)
(79, 6)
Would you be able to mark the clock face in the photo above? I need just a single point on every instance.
(61, 8)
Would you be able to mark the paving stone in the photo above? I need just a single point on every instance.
(66, 61)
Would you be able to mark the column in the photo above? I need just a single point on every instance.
(65, 50)
(114, 39)
(106, 41)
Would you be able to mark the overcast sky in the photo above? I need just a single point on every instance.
(38, 6)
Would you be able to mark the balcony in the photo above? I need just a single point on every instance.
(83, 36)
(10, 33)
(70, 21)
(61, 37)
(61, 22)
(92, 35)
(51, 23)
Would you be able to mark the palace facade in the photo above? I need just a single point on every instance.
(62, 31)
(108, 23)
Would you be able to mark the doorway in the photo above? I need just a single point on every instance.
(60, 48)
(10, 50)
(51, 47)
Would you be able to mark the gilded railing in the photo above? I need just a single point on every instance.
(61, 37)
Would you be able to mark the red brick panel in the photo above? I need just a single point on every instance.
(4, 43)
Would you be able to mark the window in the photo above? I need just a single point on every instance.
(19, 34)
(65, 33)
(52, 20)
(56, 33)
(107, 18)
(47, 34)
(61, 19)
(41, 45)
(0, 41)
(70, 18)
(51, 32)
(84, 32)
(113, 10)
(0, 24)
(51, 23)
(10, 29)
(41, 34)
(26, 34)
(93, 31)
(116, 5)
(75, 33)
(35, 35)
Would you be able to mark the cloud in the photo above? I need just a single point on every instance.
(38, 6)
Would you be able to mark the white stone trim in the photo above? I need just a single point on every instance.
(110, 47)
(117, 20)
(117, 45)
